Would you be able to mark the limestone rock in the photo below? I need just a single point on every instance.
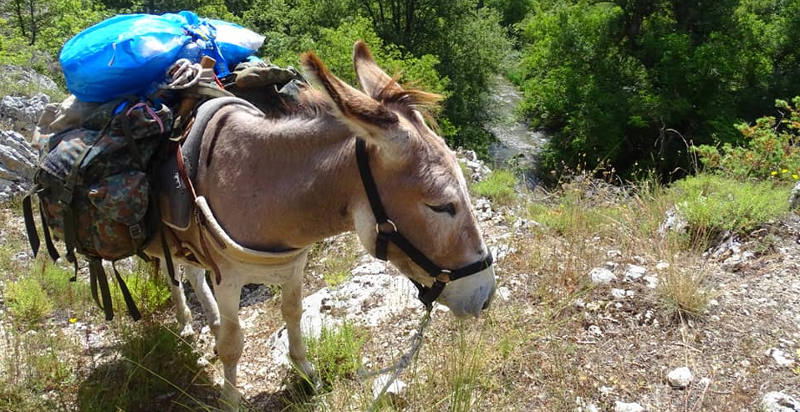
(17, 164)
(627, 407)
(680, 377)
(779, 402)
(602, 276)
(23, 113)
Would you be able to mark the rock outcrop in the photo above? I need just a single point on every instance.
(17, 163)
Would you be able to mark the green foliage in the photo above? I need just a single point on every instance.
(635, 81)
(770, 150)
(337, 352)
(34, 375)
(27, 301)
(498, 186)
(713, 204)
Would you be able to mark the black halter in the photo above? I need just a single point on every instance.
(387, 232)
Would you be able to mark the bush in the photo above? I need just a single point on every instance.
(27, 300)
(337, 352)
(714, 204)
(498, 186)
(770, 151)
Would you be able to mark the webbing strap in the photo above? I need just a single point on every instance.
(97, 277)
(30, 225)
(48, 240)
(126, 294)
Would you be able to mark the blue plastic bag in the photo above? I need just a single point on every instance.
(129, 54)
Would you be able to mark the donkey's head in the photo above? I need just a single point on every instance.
(431, 233)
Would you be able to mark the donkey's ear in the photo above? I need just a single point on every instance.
(373, 80)
(367, 116)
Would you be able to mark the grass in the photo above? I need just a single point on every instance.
(27, 301)
(683, 293)
(156, 370)
(714, 204)
(336, 262)
(499, 187)
(337, 352)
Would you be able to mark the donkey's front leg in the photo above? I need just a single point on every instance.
(182, 311)
(229, 339)
(292, 311)
(197, 278)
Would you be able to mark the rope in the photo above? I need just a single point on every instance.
(183, 74)
(400, 365)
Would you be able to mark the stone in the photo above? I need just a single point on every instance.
(602, 276)
(652, 281)
(627, 407)
(794, 197)
(396, 388)
(23, 113)
(483, 209)
(680, 377)
(674, 221)
(781, 358)
(503, 293)
(17, 164)
(779, 402)
(634, 272)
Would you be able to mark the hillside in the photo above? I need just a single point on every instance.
(597, 309)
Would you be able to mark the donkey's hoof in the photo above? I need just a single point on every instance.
(187, 331)
(230, 398)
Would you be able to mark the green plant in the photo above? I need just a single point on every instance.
(27, 300)
(683, 293)
(498, 186)
(337, 352)
(713, 204)
(771, 150)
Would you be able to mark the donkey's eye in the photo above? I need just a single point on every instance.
(448, 208)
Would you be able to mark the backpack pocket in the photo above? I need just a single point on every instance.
(117, 225)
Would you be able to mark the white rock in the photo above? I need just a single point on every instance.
(627, 407)
(794, 197)
(779, 402)
(503, 293)
(652, 281)
(780, 357)
(674, 221)
(613, 253)
(680, 377)
(395, 389)
(606, 390)
(595, 330)
(602, 276)
(661, 265)
(634, 272)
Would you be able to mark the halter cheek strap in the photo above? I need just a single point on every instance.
(387, 232)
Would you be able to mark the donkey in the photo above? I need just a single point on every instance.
(351, 160)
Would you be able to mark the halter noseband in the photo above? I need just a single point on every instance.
(387, 232)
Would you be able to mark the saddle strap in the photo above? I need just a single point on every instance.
(97, 276)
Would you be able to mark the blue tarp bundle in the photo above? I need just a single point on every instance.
(129, 54)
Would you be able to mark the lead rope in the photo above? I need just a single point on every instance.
(402, 364)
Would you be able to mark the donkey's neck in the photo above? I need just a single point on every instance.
(279, 184)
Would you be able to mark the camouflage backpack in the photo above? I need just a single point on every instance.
(94, 192)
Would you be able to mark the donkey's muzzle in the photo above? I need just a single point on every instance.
(470, 295)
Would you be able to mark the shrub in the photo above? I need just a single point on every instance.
(498, 186)
(337, 352)
(27, 300)
(770, 151)
(713, 204)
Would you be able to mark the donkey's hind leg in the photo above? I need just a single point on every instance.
(197, 278)
(182, 311)
(292, 311)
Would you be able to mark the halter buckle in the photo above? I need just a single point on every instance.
(383, 224)
(444, 276)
